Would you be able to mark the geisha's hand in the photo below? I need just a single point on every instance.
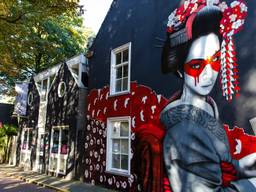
(248, 165)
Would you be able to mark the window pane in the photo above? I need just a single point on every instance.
(116, 146)
(118, 85)
(46, 142)
(124, 132)
(124, 162)
(64, 142)
(118, 58)
(41, 146)
(125, 55)
(125, 69)
(55, 145)
(124, 146)
(116, 161)
(125, 84)
(25, 140)
(116, 129)
(119, 72)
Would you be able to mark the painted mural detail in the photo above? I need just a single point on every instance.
(196, 147)
(140, 99)
(143, 106)
(231, 22)
(241, 144)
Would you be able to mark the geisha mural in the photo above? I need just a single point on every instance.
(199, 47)
(139, 140)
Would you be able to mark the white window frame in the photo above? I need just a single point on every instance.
(58, 155)
(109, 168)
(25, 153)
(30, 131)
(113, 69)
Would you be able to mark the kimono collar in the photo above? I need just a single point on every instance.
(185, 112)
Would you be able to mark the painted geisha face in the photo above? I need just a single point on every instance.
(202, 64)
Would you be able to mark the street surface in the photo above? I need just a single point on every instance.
(9, 184)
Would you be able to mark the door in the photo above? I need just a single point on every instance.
(59, 150)
(25, 156)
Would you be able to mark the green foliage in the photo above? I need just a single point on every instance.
(35, 35)
(8, 130)
(3, 141)
(6, 133)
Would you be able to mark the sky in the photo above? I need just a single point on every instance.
(95, 12)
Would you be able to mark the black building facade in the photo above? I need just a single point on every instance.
(143, 23)
(128, 89)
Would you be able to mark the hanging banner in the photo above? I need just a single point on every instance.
(21, 98)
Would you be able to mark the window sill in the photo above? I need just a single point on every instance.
(117, 172)
(119, 93)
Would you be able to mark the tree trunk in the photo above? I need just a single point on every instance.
(37, 62)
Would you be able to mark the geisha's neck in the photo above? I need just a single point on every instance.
(191, 97)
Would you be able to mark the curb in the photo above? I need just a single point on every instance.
(35, 182)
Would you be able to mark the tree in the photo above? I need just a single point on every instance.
(35, 35)
(6, 134)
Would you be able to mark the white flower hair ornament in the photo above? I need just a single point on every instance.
(179, 28)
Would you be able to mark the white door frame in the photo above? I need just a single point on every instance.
(60, 157)
(25, 153)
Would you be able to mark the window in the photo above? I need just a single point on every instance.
(118, 145)
(44, 85)
(27, 139)
(61, 89)
(120, 69)
(55, 140)
(41, 146)
(30, 98)
(64, 142)
(44, 90)
(59, 149)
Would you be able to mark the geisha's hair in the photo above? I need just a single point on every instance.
(177, 44)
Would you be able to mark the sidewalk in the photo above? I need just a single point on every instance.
(55, 183)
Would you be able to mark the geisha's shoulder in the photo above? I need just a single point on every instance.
(171, 105)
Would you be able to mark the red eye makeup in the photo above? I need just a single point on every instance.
(195, 67)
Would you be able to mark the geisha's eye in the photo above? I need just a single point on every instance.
(215, 59)
(196, 66)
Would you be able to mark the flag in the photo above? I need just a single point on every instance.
(21, 98)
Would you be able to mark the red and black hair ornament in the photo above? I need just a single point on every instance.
(179, 28)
